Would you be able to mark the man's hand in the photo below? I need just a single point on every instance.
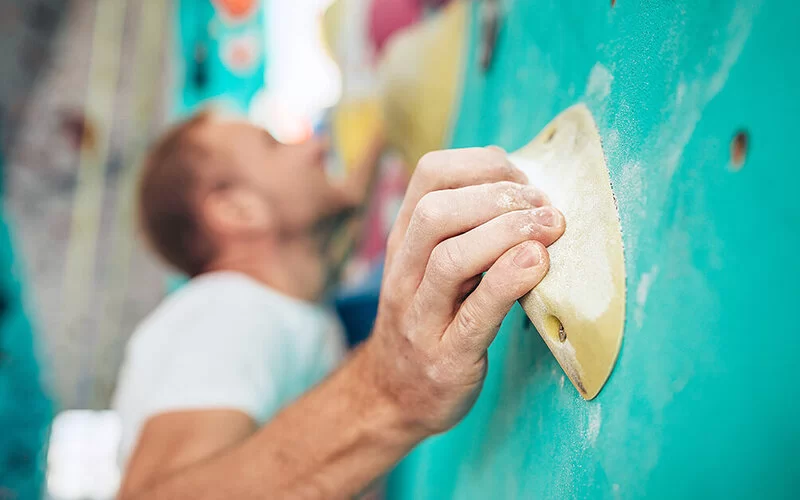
(467, 212)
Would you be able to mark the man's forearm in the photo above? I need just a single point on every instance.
(331, 443)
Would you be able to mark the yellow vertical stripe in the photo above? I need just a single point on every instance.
(147, 60)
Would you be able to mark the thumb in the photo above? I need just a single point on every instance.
(513, 275)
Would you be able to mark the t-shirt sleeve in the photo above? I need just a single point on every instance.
(219, 360)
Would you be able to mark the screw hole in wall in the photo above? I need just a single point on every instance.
(739, 147)
(613, 3)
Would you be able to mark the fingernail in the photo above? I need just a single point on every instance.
(496, 148)
(528, 256)
(546, 216)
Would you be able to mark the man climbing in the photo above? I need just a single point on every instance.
(206, 375)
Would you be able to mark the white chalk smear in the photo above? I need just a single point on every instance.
(645, 282)
(595, 421)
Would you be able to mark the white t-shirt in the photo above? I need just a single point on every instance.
(224, 341)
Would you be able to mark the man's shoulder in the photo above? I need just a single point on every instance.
(208, 301)
(225, 311)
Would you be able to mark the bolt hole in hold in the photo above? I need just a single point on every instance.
(562, 335)
(555, 329)
(739, 146)
(550, 135)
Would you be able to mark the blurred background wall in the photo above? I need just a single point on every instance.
(99, 99)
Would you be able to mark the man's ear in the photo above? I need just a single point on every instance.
(237, 210)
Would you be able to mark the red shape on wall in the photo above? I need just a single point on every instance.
(388, 17)
(236, 10)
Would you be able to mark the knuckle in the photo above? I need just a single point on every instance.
(469, 318)
(445, 260)
(429, 163)
(506, 195)
(428, 209)
(505, 186)
(497, 165)
(495, 154)
(509, 189)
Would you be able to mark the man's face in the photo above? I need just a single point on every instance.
(291, 177)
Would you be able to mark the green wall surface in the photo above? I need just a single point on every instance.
(200, 27)
(26, 410)
(700, 404)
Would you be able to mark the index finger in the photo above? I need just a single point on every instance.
(450, 169)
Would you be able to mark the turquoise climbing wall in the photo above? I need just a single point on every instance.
(25, 409)
(700, 403)
(205, 38)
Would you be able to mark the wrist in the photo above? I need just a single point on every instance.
(397, 418)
